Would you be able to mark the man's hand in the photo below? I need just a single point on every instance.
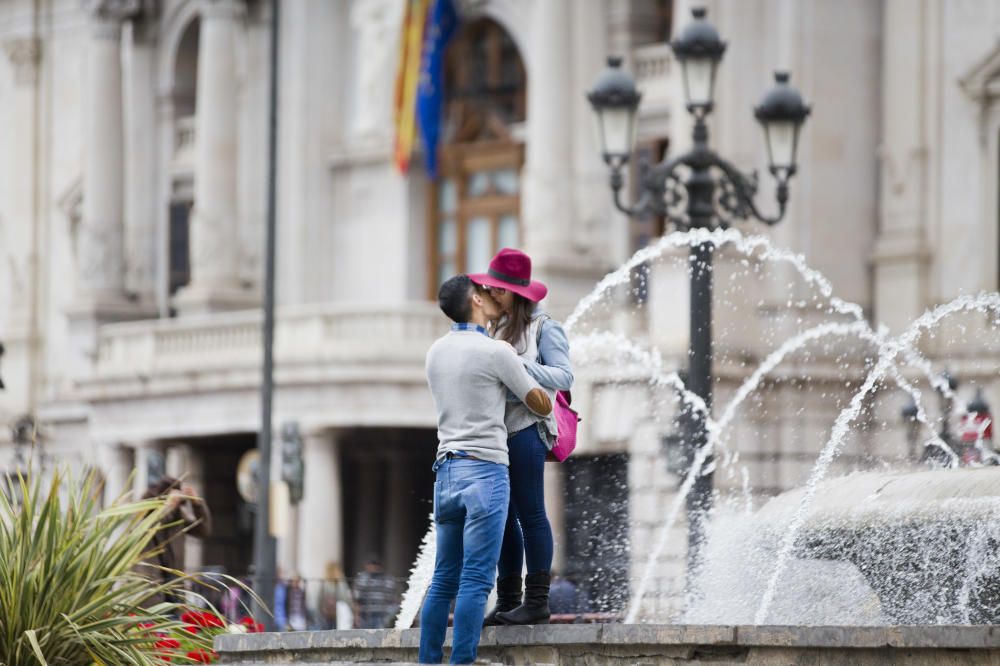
(191, 494)
(174, 499)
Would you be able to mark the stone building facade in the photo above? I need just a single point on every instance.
(133, 183)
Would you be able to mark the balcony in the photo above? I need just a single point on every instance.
(378, 338)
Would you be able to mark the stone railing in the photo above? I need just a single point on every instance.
(654, 68)
(303, 334)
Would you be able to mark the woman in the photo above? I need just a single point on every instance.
(542, 345)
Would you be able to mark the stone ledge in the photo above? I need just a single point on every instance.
(906, 637)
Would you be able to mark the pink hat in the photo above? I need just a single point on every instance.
(511, 269)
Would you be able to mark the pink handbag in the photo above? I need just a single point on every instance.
(566, 420)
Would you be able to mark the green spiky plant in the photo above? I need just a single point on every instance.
(73, 590)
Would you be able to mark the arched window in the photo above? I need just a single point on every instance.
(475, 204)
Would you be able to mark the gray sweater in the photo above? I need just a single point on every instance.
(469, 375)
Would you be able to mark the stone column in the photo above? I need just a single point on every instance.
(100, 260)
(565, 248)
(214, 235)
(902, 252)
(547, 206)
(141, 457)
(116, 464)
(100, 240)
(141, 202)
(321, 524)
(18, 246)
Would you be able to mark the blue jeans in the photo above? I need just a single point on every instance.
(470, 507)
(528, 534)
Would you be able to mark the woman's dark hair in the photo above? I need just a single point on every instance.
(454, 298)
(514, 326)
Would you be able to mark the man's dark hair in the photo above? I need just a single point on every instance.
(454, 298)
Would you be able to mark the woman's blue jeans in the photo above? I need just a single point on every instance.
(470, 507)
(528, 534)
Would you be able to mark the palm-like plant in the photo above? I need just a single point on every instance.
(72, 587)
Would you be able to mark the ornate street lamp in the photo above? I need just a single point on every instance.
(697, 190)
(699, 51)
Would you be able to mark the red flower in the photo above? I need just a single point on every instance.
(212, 620)
(205, 619)
(252, 626)
(201, 656)
(168, 643)
(191, 629)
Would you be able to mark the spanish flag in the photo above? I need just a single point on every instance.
(408, 80)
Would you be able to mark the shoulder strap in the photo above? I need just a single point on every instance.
(541, 325)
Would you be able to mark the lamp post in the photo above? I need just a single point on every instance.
(697, 190)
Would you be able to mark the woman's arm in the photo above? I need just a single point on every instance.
(554, 371)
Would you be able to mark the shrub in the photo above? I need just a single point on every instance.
(73, 586)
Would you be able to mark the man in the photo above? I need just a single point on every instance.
(185, 514)
(469, 375)
(376, 595)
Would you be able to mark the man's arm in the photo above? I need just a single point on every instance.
(511, 372)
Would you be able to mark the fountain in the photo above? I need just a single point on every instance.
(796, 523)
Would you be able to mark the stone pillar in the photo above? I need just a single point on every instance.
(116, 464)
(100, 238)
(563, 229)
(141, 201)
(100, 241)
(547, 206)
(214, 235)
(141, 458)
(902, 253)
(321, 530)
(18, 246)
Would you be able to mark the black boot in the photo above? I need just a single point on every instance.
(508, 598)
(535, 609)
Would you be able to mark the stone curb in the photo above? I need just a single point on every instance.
(913, 637)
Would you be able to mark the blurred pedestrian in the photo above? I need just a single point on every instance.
(375, 592)
(336, 603)
(185, 514)
(295, 602)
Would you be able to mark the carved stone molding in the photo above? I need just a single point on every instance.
(25, 54)
(107, 16)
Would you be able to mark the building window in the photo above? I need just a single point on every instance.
(180, 267)
(475, 204)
